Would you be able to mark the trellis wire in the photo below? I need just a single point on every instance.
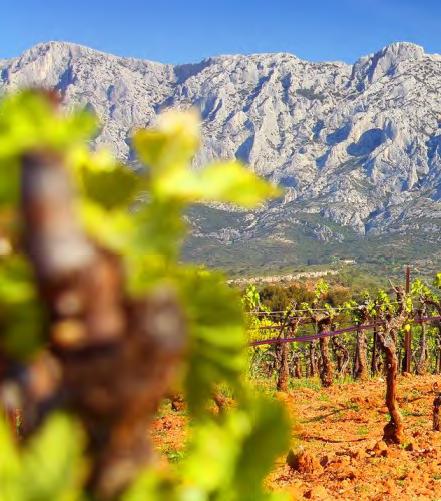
(354, 328)
(338, 309)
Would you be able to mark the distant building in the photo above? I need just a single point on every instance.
(347, 261)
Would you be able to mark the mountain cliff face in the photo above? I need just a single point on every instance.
(358, 147)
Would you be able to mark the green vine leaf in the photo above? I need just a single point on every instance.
(217, 338)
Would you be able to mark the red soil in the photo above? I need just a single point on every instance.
(339, 430)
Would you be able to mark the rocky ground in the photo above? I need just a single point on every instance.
(337, 438)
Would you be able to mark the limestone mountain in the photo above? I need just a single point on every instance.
(357, 147)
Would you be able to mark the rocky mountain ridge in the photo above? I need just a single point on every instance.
(357, 147)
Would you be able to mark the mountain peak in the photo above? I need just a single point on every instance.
(59, 46)
(402, 51)
(385, 61)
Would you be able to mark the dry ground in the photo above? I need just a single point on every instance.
(340, 431)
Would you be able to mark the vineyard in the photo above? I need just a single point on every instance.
(332, 365)
(332, 342)
(112, 349)
(361, 381)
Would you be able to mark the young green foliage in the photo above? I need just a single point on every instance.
(217, 342)
(140, 218)
(234, 455)
(21, 315)
(50, 467)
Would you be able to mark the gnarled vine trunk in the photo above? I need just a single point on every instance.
(423, 355)
(375, 353)
(297, 368)
(361, 371)
(377, 362)
(438, 351)
(387, 336)
(295, 365)
(394, 430)
(327, 366)
(111, 357)
(327, 369)
(341, 355)
(288, 326)
(283, 372)
(313, 363)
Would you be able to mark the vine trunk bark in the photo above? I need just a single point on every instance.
(394, 430)
(327, 366)
(362, 372)
(313, 366)
(283, 373)
(111, 357)
(421, 368)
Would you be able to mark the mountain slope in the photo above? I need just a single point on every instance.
(358, 147)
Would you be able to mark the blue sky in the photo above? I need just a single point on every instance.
(185, 31)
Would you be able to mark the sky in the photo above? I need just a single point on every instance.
(180, 31)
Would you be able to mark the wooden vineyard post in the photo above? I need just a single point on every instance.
(423, 358)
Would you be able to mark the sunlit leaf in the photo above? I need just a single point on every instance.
(217, 337)
(157, 486)
(52, 461)
(9, 183)
(223, 182)
(110, 189)
(21, 314)
(10, 466)
(115, 233)
(48, 468)
(172, 144)
(231, 452)
(270, 431)
(30, 120)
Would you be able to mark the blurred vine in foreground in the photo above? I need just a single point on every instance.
(98, 316)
